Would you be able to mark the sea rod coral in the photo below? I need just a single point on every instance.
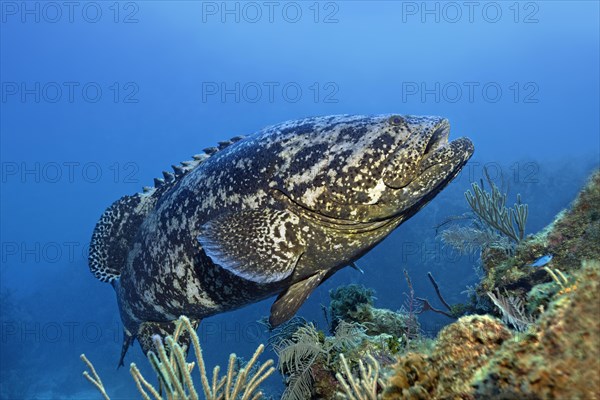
(174, 372)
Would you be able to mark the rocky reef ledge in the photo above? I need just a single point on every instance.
(530, 331)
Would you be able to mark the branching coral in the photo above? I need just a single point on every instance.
(174, 372)
(93, 378)
(513, 310)
(491, 208)
(363, 387)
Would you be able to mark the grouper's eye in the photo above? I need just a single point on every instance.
(396, 120)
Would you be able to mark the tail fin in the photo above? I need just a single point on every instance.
(114, 233)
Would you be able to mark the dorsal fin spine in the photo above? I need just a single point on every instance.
(187, 166)
(168, 176)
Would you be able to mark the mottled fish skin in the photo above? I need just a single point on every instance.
(277, 213)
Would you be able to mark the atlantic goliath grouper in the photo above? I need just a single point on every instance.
(274, 213)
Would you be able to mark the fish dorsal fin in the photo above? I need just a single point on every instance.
(259, 245)
(290, 301)
(114, 233)
(169, 179)
(118, 225)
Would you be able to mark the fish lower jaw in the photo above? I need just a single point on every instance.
(456, 152)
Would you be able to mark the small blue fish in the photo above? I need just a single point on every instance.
(543, 260)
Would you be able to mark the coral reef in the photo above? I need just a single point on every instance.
(558, 355)
(555, 352)
(365, 340)
(354, 304)
(460, 349)
(561, 358)
(346, 301)
(575, 234)
(174, 372)
(571, 238)
(479, 358)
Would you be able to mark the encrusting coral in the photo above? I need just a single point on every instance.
(561, 358)
(411, 379)
(463, 347)
(354, 304)
(174, 372)
(571, 238)
(479, 358)
(557, 354)
(460, 349)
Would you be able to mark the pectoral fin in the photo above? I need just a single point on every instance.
(290, 301)
(259, 245)
(356, 267)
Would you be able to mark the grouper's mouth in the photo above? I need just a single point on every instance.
(441, 162)
(418, 170)
(424, 150)
(439, 150)
(438, 139)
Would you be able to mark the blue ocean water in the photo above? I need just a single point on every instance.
(99, 97)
